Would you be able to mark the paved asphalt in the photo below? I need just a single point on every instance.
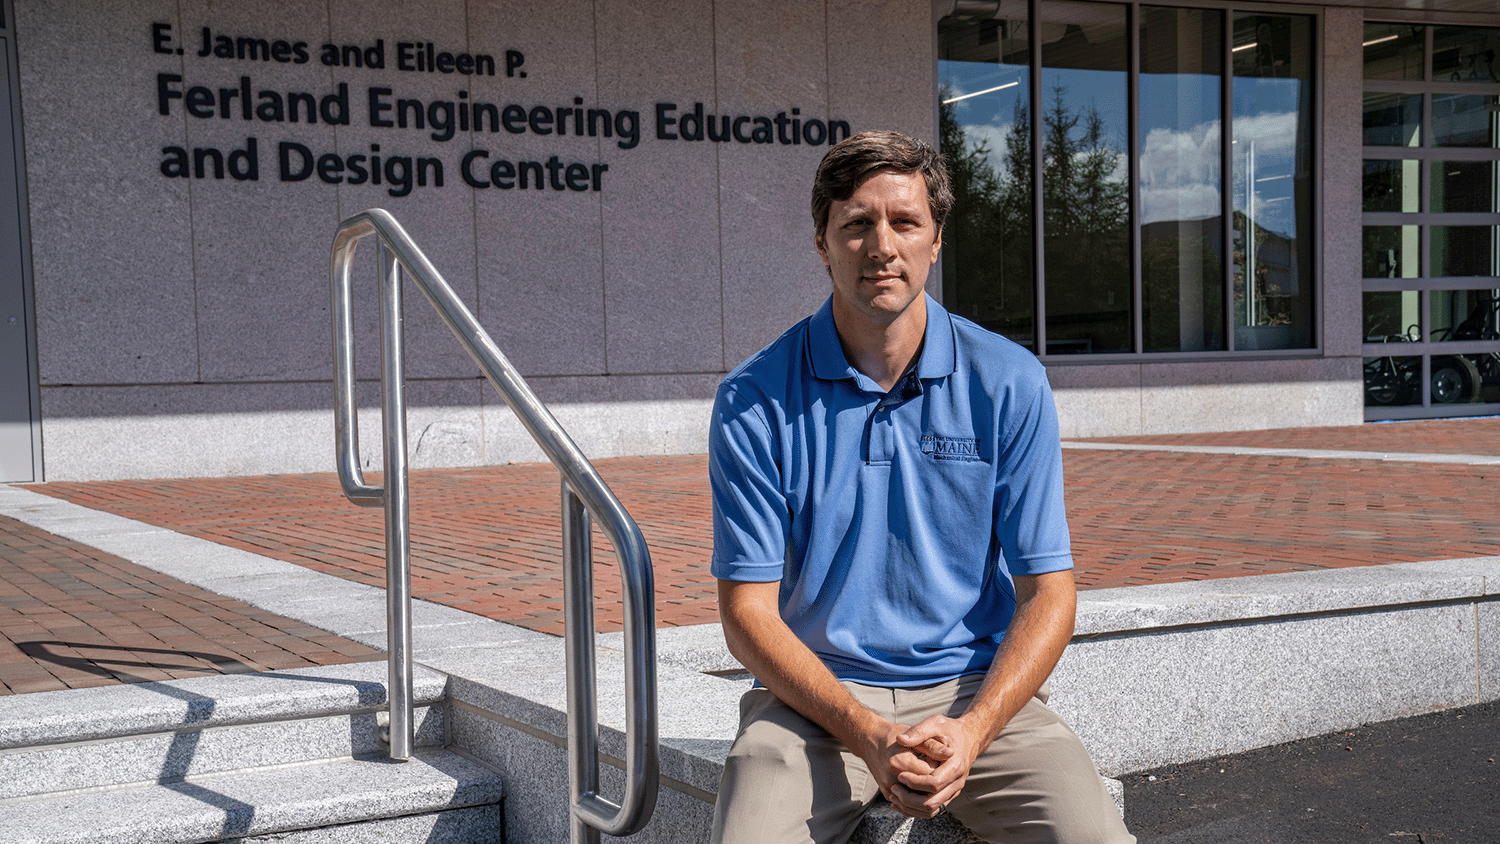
(1427, 779)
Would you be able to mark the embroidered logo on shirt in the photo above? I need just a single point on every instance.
(962, 449)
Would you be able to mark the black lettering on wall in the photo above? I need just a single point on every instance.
(506, 175)
(294, 171)
(353, 55)
(161, 39)
(247, 48)
(443, 118)
(783, 129)
(378, 106)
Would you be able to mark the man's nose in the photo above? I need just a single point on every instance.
(882, 246)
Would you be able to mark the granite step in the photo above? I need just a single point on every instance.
(90, 739)
(437, 796)
(137, 708)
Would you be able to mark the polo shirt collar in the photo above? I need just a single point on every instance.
(938, 358)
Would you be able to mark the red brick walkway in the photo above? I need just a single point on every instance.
(1432, 436)
(72, 617)
(486, 539)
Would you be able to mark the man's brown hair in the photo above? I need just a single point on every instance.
(853, 160)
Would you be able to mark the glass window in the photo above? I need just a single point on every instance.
(1207, 281)
(1392, 186)
(1182, 220)
(1272, 146)
(1463, 120)
(1464, 251)
(1393, 120)
(1392, 252)
(1465, 186)
(1460, 315)
(1392, 316)
(1453, 378)
(1085, 192)
(1465, 54)
(1449, 200)
(1393, 381)
(1466, 316)
(985, 131)
(1393, 51)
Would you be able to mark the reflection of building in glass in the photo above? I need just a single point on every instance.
(1273, 259)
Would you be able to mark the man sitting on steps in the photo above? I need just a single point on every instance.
(889, 537)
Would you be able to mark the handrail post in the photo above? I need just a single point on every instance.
(397, 512)
(578, 620)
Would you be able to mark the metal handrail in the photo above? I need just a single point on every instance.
(584, 494)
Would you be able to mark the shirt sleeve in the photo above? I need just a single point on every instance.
(751, 519)
(1031, 522)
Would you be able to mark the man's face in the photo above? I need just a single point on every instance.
(879, 245)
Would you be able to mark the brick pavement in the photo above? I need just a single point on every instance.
(486, 539)
(1479, 435)
(72, 617)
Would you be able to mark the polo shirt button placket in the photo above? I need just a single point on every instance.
(882, 433)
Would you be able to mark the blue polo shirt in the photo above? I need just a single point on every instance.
(894, 520)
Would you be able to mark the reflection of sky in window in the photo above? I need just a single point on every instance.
(1180, 166)
(1265, 120)
(987, 117)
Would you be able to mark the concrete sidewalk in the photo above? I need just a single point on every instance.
(1143, 510)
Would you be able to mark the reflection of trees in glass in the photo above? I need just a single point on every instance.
(1165, 249)
(1088, 243)
(987, 240)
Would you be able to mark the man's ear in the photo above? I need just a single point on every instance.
(937, 244)
(820, 243)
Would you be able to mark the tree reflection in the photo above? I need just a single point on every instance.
(1086, 204)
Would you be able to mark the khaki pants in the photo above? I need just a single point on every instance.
(788, 781)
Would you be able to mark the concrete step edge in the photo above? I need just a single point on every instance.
(467, 825)
(47, 718)
(98, 764)
(243, 804)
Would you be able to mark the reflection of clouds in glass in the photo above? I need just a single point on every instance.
(1273, 137)
(1120, 174)
(1271, 132)
(993, 134)
(1180, 174)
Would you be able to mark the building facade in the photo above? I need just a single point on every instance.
(1226, 216)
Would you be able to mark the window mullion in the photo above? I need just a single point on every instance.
(1038, 229)
(1226, 165)
(1133, 151)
